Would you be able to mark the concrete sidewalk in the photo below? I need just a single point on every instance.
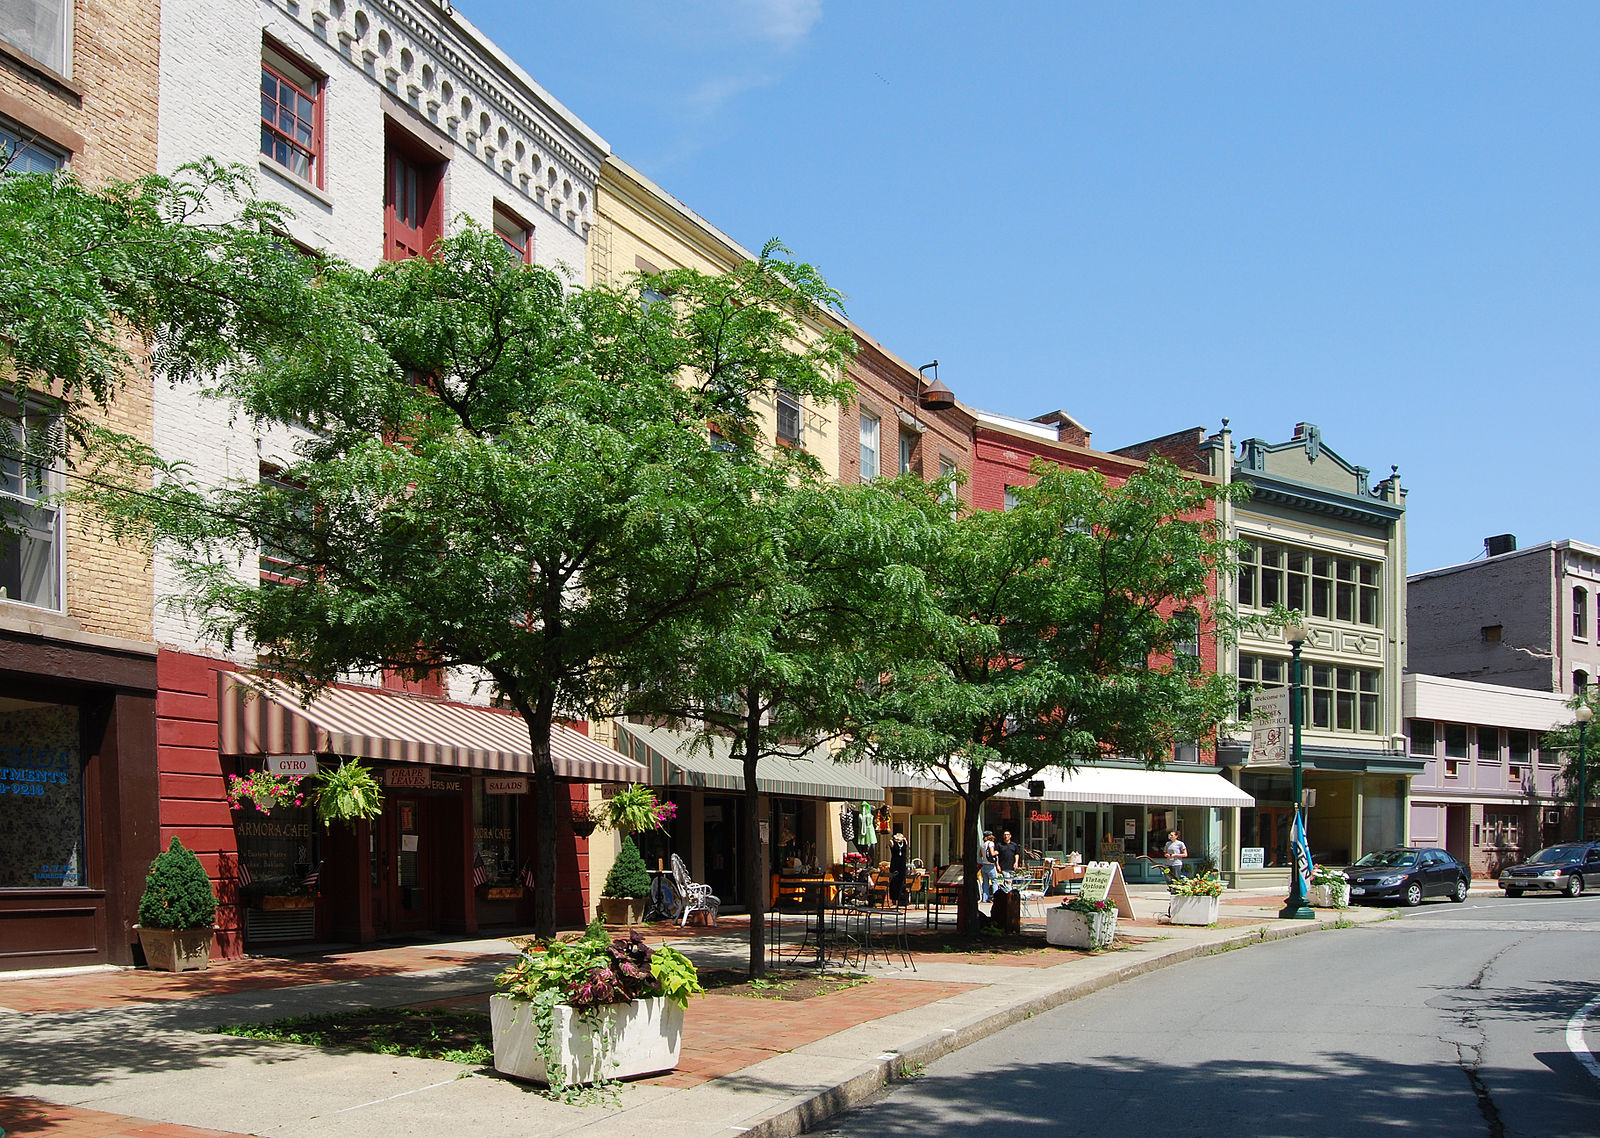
(119, 1066)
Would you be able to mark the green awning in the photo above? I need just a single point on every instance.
(674, 760)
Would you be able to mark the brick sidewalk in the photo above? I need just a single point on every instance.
(28, 1116)
(113, 989)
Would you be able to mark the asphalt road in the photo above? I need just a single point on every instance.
(1451, 1020)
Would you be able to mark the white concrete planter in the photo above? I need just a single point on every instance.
(1079, 930)
(1195, 910)
(646, 1034)
(1330, 896)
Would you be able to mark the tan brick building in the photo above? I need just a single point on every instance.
(77, 663)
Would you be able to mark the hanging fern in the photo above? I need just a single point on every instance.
(347, 793)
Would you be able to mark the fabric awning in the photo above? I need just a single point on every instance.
(673, 763)
(1122, 786)
(258, 717)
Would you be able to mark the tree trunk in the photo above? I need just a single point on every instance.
(546, 813)
(973, 798)
(756, 884)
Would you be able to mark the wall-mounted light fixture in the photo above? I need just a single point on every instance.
(934, 396)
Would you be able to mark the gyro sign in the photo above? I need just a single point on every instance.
(295, 766)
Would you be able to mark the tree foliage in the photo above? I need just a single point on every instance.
(1056, 639)
(495, 471)
(1565, 740)
(177, 893)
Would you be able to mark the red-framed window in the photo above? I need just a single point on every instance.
(291, 115)
(413, 201)
(515, 234)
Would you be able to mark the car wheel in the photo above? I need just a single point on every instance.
(1413, 896)
(1513, 892)
(1575, 885)
(1460, 893)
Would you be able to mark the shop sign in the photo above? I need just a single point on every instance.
(410, 843)
(295, 766)
(408, 778)
(1253, 857)
(1102, 880)
(1269, 727)
(505, 784)
(1041, 816)
(1130, 828)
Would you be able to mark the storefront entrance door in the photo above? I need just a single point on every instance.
(1275, 822)
(413, 856)
(722, 847)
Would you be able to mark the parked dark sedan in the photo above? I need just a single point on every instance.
(1408, 875)
(1566, 868)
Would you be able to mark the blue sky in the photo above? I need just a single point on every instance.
(1381, 218)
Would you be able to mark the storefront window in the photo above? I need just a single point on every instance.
(277, 852)
(1265, 826)
(1382, 803)
(494, 836)
(41, 796)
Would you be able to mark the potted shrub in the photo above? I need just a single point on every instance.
(1330, 888)
(627, 887)
(1195, 900)
(176, 912)
(1082, 923)
(591, 1011)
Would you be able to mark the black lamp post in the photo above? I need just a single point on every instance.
(1294, 906)
(1584, 714)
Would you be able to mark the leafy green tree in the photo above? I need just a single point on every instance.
(187, 273)
(1058, 622)
(833, 570)
(1565, 741)
(497, 472)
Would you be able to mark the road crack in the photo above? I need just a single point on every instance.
(1469, 1053)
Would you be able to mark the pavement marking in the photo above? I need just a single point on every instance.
(402, 1094)
(1575, 1041)
(1500, 926)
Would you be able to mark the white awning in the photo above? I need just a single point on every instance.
(1123, 786)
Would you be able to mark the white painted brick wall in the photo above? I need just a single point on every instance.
(511, 141)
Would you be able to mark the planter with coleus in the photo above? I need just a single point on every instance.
(1082, 923)
(591, 1011)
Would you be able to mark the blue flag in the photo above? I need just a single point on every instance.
(1302, 853)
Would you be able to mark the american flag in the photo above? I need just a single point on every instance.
(480, 873)
(527, 876)
(310, 879)
(244, 871)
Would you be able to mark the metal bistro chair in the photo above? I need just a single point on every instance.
(696, 898)
(1031, 886)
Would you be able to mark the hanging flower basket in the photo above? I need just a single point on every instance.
(264, 790)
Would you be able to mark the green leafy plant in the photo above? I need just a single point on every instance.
(347, 793)
(635, 809)
(1200, 885)
(177, 893)
(628, 876)
(1082, 904)
(675, 974)
(1324, 875)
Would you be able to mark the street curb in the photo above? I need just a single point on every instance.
(830, 1102)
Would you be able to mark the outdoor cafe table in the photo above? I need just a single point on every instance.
(822, 889)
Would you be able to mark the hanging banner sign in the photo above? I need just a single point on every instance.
(1269, 727)
(1103, 880)
(408, 778)
(295, 766)
(505, 784)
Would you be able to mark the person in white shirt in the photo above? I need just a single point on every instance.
(1175, 851)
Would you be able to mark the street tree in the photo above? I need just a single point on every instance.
(498, 472)
(1579, 750)
(833, 570)
(1057, 644)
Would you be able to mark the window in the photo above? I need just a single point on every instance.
(1344, 699)
(1489, 745)
(1422, 736)
(1259, 673)
(291, 115)
(1492, 633)
(947, 474)
(1580, 682)
(276, 565)
(412, 201)
(869, 447)
(1334, 588)
(41, 783)
(1455, 741)
(41, 29)
(1452, 768)
(788, 417)
(1186, 640)
(908, 451)
(24, 154)
(1500, 829)
(30, 527)
(1580, 612)
(1010, 500)
(515, 234)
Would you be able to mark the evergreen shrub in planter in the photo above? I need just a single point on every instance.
(177, 912)
(627, 887)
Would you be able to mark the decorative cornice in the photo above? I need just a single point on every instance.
(1268, 489)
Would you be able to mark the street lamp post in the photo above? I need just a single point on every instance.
(1584, 714)
(1294, 906)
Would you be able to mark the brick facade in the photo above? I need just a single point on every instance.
(887, 388)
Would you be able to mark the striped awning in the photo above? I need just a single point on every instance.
(674, 761)
(259, 717)
(1125, 786)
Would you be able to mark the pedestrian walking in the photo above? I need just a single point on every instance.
(1173, 853)
(988, 868)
